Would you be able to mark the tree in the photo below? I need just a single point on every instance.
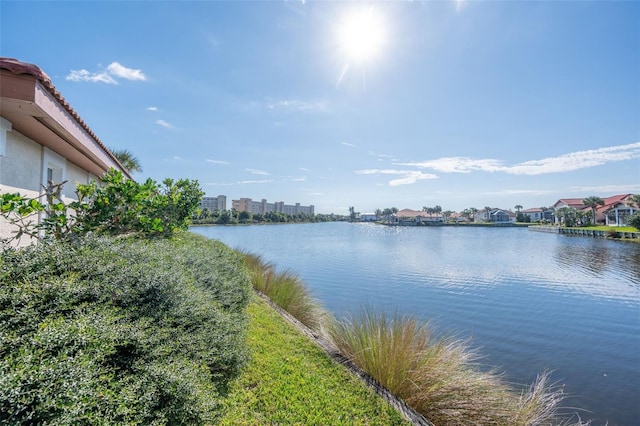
(634, 201)
(127, 159)
(487, 210)
(518, 207)
(634, 220)
(244, 216)
(473, 211)
(593, 202)
(352, 214)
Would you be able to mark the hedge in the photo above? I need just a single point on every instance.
(126, 331)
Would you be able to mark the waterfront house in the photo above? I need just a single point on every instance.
(495, 216)
(42, 138)
(538, 214)
(368, 217)
(408, 217)
(614, 212)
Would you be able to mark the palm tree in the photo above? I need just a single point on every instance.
(518, 207)
(437, 209)
(487, 210)
(127, 160)
(473, 211)
(634, 201)
(593, 202)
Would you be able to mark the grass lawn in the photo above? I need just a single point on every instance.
(290, 380)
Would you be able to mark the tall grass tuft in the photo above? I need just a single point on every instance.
(438, 377)
(286, 290)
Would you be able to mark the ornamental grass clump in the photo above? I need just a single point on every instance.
(286, 290)
(437, 375)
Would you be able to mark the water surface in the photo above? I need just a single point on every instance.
(529, 301)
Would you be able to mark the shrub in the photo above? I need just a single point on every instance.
(634, 220)
(116, 206)
(120, 331)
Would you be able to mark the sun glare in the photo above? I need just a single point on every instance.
(361, 35)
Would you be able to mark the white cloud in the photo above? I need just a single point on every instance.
(246, 182)
(177, 158)
(304, 169)
(349, 145)
(520, 192)
(633, 188)
(164, 124)
(216, 161)
(294, 179)
(84, 75)
(118, 70)
(407, 176)
(108, 76)
(152, 108)
(242, 182)
(563, 163)
(457, 165)
(297, 106)
(577, 160)
(257, 172)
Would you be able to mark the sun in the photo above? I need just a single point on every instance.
(361, 35)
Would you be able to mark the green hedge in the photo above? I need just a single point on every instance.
(108, 331)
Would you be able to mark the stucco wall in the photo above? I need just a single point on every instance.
(7, 230)
(19, 168)
(75, 175)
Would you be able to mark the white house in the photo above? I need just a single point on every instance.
(42, 138)
(368, 217)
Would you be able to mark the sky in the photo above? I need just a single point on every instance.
(404, 104)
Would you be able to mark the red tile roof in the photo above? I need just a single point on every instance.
(18, 67)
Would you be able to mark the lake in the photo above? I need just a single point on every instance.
(528, 301)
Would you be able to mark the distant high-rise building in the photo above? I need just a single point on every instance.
(214, 203)
(247, 204)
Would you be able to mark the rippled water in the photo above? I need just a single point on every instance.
(530, 301)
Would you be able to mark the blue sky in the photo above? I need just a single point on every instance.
(336, 104)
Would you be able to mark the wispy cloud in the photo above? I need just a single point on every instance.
(152, 108)
(304, 169)
(563, 163)
(216, 161)
(577, 160)
(241, 182)
(407, 177)
(294, 179)
(350, 145)
(108, 75)
(457, 165)
(257, 172)
(295, 105)
(381, 157)
(165, 124)
(633, 188)
(246, 182)
(520, 192)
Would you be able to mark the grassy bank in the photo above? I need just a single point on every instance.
(437, 377)
(292, 381)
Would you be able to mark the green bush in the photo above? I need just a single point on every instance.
(120, 331)
(112, 207)
(634, 220)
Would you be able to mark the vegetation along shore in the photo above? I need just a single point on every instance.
(120, 316)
